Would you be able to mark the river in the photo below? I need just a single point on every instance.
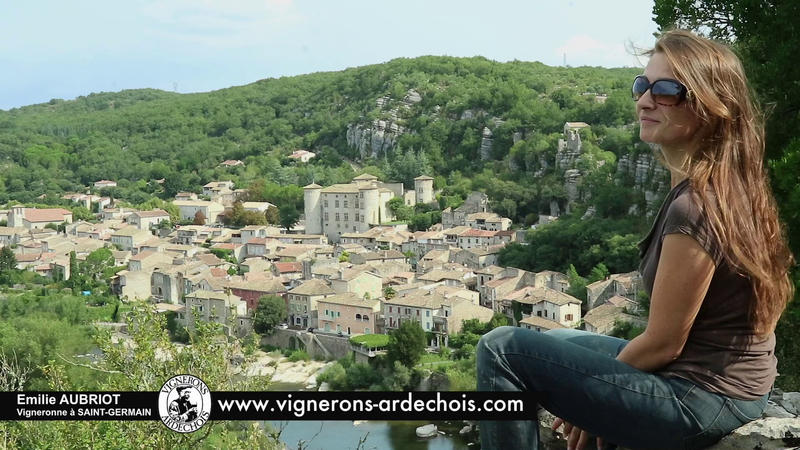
(378, 434)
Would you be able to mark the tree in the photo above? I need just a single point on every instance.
(289, 216)
(271, 311)
(199, 218)
(8, 263)
(400, 210)
(577, 284)
(272, 215)
(96, 263)
(599, 272)
(144, 367)
(406, 344)
(7, 259)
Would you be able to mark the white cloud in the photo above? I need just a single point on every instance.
(583, 50)
(221, 24)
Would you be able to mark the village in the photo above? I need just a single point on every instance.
(347, 269)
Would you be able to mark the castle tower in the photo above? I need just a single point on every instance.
(371, 202)
(15, 219)
(313, 208)
(423, 185)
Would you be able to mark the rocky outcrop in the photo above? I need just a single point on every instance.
(569, 149)
(779, 428)
(647, 175)
(486, 144)
(380, 137)
(377, 139)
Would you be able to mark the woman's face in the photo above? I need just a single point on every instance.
(672, 127)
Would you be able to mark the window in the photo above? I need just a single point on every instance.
(336, 203)
(358, 316)
(337, 217)
(554, 315)
(346, 215)
(325, 203)
(568, 317)
(366, 330)
(326, 217)
(338, 314)
(427, 313)
(446, 313)
(417, 313)
(408, 310)
(360, 195)
(390, 309)
(539, 313)
(366, 318)
(427, 325)
(346, 204)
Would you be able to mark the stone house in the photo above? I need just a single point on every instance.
(601, 318)
(435, 313)
(189, 208)
(624, 284)
(487, 221)
(539, 324)
(303, 310)
(475, 202)
(475, 238)
(349, 313)
(225, 309)
(379, 256)
(251, 291)
(11, 236)
(144, 220)
(130, 238)
(34, 218)
(434, 259)
(543, 302)
(359, 281)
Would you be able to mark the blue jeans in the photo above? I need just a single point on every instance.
(574, 375)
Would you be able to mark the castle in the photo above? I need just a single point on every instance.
(357, 206)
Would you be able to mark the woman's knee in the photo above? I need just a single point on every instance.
(506, 339)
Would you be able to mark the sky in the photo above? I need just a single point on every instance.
(65, 49)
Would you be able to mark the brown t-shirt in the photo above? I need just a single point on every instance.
(722, 354)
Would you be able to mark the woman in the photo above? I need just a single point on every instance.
(715, 264)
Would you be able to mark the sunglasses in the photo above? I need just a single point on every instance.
(665, 92)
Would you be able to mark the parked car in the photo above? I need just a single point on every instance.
(310, 329)
(283, 326)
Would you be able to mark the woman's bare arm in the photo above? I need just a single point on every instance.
(684, 273)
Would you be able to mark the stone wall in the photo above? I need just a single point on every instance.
(317, 345)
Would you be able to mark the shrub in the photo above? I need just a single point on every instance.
(299, 355)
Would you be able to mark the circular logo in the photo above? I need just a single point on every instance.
(184, 403)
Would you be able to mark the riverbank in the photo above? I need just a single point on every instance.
(285, 372)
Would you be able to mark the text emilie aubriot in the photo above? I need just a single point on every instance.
(67, 399)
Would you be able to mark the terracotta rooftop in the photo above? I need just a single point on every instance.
(46, 215)
(288, 267)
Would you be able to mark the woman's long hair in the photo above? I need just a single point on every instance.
(729, 162)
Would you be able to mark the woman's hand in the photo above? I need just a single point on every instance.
(576, 438)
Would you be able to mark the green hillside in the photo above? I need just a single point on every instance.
(137, 136)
